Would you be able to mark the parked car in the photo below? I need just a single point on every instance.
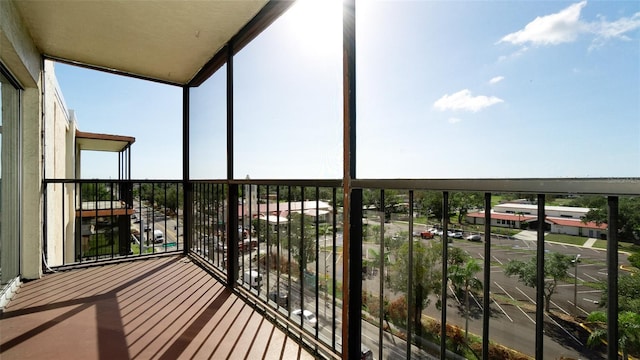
(158, 237)
(280, 297)
(365, 353)
(474, 237)
(253, 278)
(306, 315)
(426, 235)
(221, 246)
(457, 233)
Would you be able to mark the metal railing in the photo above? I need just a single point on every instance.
(90, 221)
(280, 244)
(549, 332)
(284, 237)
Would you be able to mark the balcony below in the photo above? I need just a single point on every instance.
(159, 308)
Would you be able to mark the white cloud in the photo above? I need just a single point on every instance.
(454, 120)
(463, 100)
(496, 79)
(558, 28)
(565, 26)
(605, 30)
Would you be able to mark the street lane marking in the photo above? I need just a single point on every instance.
(454, 294)
(476, 300)
(591, 277)
(561, 309)
(515, 301)
(525, 295)
(501, 309)
(578, 307)
(563, 329)
(499, 262)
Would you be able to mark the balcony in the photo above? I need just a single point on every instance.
(183, 297)
(209, 265)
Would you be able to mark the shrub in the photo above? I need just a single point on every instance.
(398, 311)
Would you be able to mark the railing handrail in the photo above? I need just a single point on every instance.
(580, 186)
(114, 181)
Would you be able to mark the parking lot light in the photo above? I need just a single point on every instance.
(575, 285)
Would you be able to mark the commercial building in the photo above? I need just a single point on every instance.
(557, 219)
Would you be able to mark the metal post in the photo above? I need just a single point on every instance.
(445, 277)
(612, 279)
(487, 276)
(575, 285)
(540, 279)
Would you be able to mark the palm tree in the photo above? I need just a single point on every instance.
(628, 330)
(463, 276)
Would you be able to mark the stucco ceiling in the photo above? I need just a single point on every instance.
(167, 40)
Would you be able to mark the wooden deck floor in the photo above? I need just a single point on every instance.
(160, 308)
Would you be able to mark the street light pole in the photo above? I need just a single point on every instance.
(575, 285)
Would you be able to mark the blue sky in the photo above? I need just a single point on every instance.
(445, 89)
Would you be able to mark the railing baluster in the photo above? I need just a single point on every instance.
(540, 277)
(487, 276)
(612, 278)
(443, 291)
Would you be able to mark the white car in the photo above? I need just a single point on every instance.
(306, 315)
(474, 237)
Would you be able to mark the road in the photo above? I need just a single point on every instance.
(153, 220)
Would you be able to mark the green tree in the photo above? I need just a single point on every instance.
(628, 218)
(461, 202)
(300, 240)
(628, 293)
(463, 276)
(168, 196)
(589, 201)
(634, 260)
(628, 330)
(96, 192)
(431, 203)
(426, 277)
(456, 256)
(555, 268)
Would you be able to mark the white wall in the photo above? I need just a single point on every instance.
(59, 140)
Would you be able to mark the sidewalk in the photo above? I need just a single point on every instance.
(590, 242)
(533, 236)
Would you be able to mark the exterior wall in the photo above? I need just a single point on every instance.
(20, 56)
(561, 229)
(59, 135)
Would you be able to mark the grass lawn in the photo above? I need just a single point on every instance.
(630, 247)
(566, 239)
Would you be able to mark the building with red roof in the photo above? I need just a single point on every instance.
(558, 219)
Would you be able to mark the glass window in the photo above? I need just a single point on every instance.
(208, 128)
(10, 171)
